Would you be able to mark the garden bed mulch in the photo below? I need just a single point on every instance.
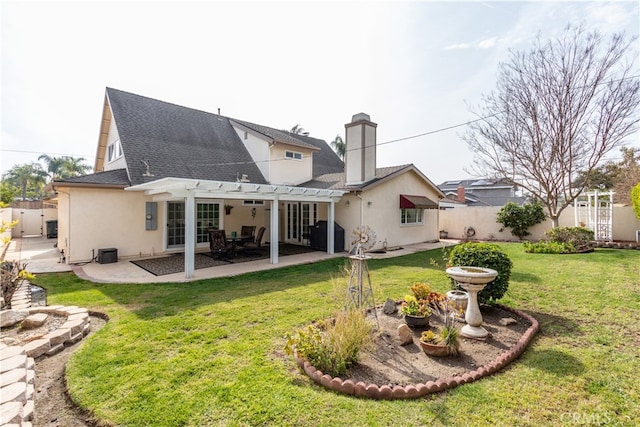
(392, 371)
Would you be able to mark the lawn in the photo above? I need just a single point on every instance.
(209, 353)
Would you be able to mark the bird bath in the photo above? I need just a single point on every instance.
(472, 280)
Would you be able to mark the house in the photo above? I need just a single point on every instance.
(165, 173)
(478, 192)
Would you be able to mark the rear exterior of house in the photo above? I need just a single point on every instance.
(165, 173)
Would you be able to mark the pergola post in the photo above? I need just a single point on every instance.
(330, 227)
(274, 230)
(189, 234)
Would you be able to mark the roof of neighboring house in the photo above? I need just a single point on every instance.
(475, 200)
(480, 183)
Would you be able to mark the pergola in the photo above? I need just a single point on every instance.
(192, 189)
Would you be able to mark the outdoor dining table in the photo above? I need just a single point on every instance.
(235, 240)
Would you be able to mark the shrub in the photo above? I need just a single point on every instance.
(488, 256)
(578, 237)
(635, 199)
(332, 347)
(562, 240)
(520, 218)
(548, 248)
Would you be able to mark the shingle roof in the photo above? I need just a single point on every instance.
(116, 177)
(473, 183)
(277, 135)
(178, 141)
(336, 181)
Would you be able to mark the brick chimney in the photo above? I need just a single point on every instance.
(462, 197)
(360, 150)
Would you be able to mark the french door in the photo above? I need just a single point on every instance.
(207, 215)
(299, 218)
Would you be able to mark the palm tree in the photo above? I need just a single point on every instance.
(65, 166)
(29, 176)
(54, 165)
(339, 146)
(298, 130)
(73, 166)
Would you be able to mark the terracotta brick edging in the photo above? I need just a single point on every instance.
(411, 391)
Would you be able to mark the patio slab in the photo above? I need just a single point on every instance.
(36, 250)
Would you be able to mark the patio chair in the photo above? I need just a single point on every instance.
(218, 244)
(248, 231)
(253, 248)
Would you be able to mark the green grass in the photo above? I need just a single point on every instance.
(209, 353)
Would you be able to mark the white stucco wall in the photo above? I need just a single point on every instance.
(483, 220)
(258, 149)
(290, 171)
(105, 219)
(383, 215)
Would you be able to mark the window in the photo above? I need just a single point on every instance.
(292, 155)
(411, 216)
(114, 151)
(253, 203)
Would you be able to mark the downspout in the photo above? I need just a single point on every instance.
(361, 209)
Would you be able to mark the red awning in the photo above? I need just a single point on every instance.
(416, 202)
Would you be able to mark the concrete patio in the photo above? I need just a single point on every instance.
(42, 257)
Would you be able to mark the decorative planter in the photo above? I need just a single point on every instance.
(458, 300)
(437, 350)
(416, 321)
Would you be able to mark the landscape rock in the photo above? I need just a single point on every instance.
(506, 321)
(34, 320)
(11, 317)
(405, 335)
(389, 307)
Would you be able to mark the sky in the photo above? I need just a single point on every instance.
(417, 68)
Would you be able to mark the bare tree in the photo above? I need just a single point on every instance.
(558, 109)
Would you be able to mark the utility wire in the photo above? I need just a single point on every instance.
(353, 149)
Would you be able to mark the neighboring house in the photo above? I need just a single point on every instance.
(478, 192)
(165, 173)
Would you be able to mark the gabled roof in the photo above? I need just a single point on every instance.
(178, 141)
(336, 181)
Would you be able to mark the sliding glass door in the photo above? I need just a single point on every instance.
(207, 215)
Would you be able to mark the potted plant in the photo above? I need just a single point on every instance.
(416, 313)
(447, 341)
(227, 209)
